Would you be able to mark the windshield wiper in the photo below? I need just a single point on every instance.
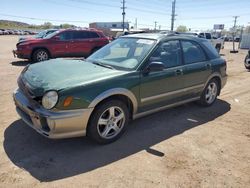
(102, 64)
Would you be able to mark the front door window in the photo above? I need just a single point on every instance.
(169, 53)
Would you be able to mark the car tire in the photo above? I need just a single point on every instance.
(247, 65)
(210, 93)
(108, 122)
(40, 55)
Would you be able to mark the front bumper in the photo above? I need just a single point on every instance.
(223, 81)
(20, 54)
(58, 124)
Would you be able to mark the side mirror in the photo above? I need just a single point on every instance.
(154, 67)
(56, 37)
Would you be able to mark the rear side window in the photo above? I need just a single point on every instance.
(192, 52)
(210, 49)
(93, 35)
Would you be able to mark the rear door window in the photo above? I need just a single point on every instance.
(78, 35)
(65, 36)
(192, 52)
(211, 51)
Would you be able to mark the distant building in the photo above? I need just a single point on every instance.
(109, 25)
(245, 41)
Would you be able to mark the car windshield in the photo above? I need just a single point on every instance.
(123, 53)
(51, 35)
(41, 34)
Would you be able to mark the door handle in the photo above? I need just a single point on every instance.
(179, 72)
(208, 66)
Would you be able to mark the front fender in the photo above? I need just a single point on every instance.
(116, 91)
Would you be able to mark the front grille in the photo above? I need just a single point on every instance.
(44, 124)
(26, 117)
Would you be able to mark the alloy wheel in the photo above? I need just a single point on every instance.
(42, 56)
(111, 122)
(211, 92)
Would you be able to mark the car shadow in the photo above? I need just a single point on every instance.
(20, 63)
(48, 160)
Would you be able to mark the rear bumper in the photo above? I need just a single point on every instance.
(55, 125)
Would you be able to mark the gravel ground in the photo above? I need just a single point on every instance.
(187, 146)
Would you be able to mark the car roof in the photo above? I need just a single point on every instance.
(159, 36)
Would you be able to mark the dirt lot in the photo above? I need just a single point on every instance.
(188, 146)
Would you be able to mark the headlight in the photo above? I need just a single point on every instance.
(50, 99)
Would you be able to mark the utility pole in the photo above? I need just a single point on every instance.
(234, 33)
(135, 23)
(155, 25)
(173, 15)
(123, 15)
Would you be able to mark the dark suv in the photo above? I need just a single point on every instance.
(62, 43)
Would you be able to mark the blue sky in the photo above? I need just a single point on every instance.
(195, 14)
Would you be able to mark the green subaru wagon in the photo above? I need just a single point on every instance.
(131, 77)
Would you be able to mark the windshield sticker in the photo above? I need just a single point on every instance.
(145, 41)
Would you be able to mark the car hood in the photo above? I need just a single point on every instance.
(60, 74)
(28, 41)
(25, 38)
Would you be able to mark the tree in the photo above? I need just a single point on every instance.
(182, 28)
(66, 26)
(47, 25)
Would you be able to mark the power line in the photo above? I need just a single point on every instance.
(76, 7)
(155, 6)
(43, 19)
(92, 3)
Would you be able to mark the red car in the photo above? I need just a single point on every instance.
(62, 43)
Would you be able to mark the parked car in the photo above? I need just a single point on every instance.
(237, 39)
(218, 43)
(1, 32)
(188, 34)
(10, 32)
(40, 35)
(132, 76)
(4, 31)
(62, 43)
(247, 61)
